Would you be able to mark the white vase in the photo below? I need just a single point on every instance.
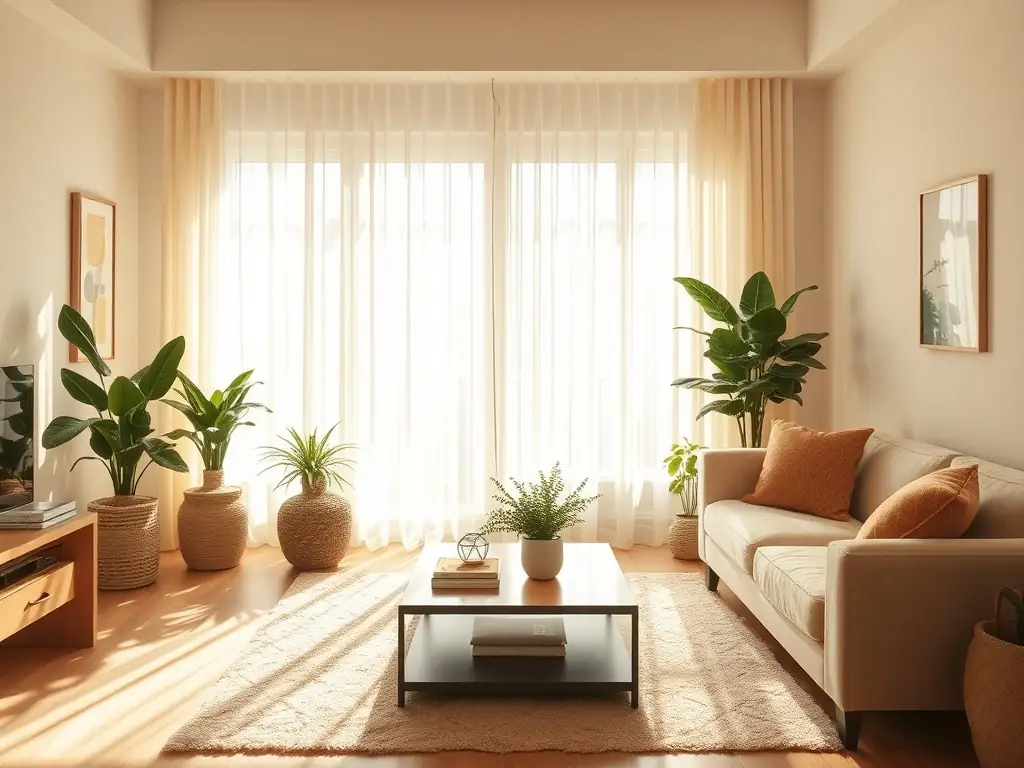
(542, 558)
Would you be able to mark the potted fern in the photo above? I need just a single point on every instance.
(314, 526)
(537, 517)
(681, 464)
(120, 436)
(994, 685)
(213, 522)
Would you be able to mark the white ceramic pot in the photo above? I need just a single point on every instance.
(542, 558)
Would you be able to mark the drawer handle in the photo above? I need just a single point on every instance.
(41, 599)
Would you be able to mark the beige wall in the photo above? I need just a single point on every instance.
(66, 124)
(942, 100)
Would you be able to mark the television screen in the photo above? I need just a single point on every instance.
(17, 436)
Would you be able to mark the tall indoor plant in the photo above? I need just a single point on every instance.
(120, 436)
(755, 364)
(537, 517)
(315, 526)
(681, 464)
(994, 685)
(213, 522)
(16, 465)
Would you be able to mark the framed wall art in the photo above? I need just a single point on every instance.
(93, 228)
(954, 265)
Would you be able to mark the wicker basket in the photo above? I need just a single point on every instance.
(129, 541)
(682, 537)
(314, 528)
(213, 524)
(994, 698)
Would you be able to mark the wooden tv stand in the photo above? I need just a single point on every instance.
(56, 607)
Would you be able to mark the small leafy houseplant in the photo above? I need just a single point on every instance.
(213, 521)
(537, 516)
(15, 452)
(315, 526)
(993, 694)
(756, 365)
(120, 436)
(681, 464)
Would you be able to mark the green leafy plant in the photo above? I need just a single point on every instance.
(1016, 602)
(755, 364)
(681, 464)
(310, 459)
(120, 433)
(536, 512)
(931, 319)
(13, 452)
(214, 419)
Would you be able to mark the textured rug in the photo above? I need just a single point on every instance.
(319, 678)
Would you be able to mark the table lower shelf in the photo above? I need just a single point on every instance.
(440, 659)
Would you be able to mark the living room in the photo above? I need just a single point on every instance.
(562, 382)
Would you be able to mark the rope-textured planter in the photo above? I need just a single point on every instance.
(213, 524)
(682, 537)
(994, 698)
(314, 528)
(129, 541)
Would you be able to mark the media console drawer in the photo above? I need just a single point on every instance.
(30, 600)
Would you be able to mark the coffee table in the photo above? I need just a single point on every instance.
(588, 593)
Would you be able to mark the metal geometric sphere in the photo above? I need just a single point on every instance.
(473, 548)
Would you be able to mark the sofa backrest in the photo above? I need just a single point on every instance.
(1001, 514)
(888, 464)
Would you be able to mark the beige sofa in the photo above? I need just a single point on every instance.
(878, 624)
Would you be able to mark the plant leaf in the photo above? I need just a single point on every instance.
(714, 304)
(811, 362)
(688, 328)
(124, 395)
(163, 454)
(84, 390)
(803, 338)
(76, 330)
(159, 376)
(801, 351)
(757, 295)
(793, 371)
(790, 303)
(64, 428)
(728, 407)
(767, 325)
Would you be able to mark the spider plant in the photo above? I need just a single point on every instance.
(309, 459)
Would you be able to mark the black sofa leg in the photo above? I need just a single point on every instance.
(848, 724)
(710, 578)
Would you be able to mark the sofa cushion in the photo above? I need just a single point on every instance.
(889, 464)
(940, 505)
(793, 580)
(739, 529)
(1001, 511)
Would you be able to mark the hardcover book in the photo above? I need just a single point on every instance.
(531, 651)
(518, 631)
(456, 584)
(454, 568)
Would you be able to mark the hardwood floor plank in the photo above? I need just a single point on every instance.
(161, 648)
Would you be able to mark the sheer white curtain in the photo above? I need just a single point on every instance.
(471, 282)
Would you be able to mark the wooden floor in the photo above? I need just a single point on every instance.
(160, 648)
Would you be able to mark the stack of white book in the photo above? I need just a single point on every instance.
(37, 515)
(452, 573)
(543, 636)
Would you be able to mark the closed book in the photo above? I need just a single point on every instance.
(526, 651)
(454, 568)
(456, 584)
(38, 511)
(518, 631)
(37, 525)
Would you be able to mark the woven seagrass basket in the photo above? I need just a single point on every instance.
(314, 528)
(682, 537)
(128, 541)
(213, 524)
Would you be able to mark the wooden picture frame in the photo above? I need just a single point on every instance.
(93, 258)
(953, 265)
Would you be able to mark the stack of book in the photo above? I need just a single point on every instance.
(37, 515)
(453, 573)
(542, 637)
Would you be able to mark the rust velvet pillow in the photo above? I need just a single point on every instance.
(809, 471)
(940, 505)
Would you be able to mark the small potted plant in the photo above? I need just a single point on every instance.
(314, 526)
(120, 435)
(15, 451)
(994, 685)
(537, 517)
(213, 523)
(681, 464)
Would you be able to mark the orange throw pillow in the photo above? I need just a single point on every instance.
(941, 505)
(809, 471)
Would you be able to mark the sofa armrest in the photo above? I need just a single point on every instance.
(899, 615)
(724, 473)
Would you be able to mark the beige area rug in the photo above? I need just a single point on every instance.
(319, 678)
